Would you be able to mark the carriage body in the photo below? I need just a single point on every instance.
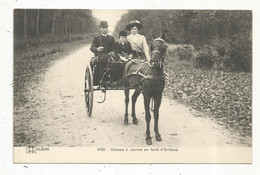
(106, 74)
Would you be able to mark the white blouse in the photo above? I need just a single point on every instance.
(138, 43)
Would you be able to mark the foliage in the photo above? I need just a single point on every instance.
(241, 54)
(226, 96)
(61, 22)
(226, 33)
(185, 52)
(45, 45)
(205, 57)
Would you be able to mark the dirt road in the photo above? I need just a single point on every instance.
(56, 116)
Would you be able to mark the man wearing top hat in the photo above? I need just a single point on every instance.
(102, 44)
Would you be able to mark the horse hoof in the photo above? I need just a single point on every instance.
(148, 141)
(125, 122)
(158, 138)
(135, 121)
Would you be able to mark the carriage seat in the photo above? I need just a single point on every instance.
(107, 69)
(116, 71)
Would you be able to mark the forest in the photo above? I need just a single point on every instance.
(209, 55)
(36, 28)
(42, 36)
(39, 34)
(39, 22)
(227, 33)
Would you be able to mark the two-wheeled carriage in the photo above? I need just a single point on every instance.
(105, 75)
(150, 82)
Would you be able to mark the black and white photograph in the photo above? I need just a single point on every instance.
(170, 83)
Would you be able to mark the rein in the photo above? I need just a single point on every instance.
(149, 76)
(155, 64)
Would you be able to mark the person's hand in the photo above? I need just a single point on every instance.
(111, 53)
(123, 58)
(131, 56)
(100, 49)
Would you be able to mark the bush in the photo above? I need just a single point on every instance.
(241, 54)
(234, 54)
(205, 57)
(185, 52)
(181, 52)
(171, 50)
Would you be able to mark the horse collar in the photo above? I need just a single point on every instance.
(159, 39)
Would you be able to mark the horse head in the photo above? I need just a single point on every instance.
(158, 51)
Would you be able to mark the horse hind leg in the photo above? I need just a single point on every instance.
(157, 103)
(134, 98)
(126, 107)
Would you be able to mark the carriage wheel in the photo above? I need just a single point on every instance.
(152, 105)
(89, 90)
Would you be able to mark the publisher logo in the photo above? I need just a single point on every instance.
(33, 150)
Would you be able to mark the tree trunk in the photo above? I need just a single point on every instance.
(37, 22)
(65, 27)
(69, 26)
(32, 23)
(25, 23)
(53, 24)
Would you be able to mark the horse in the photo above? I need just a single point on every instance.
(147, 78)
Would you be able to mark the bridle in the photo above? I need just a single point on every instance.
(162, 56)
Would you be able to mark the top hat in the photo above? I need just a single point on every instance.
(134, 23)
(103, 24)
(122, 33)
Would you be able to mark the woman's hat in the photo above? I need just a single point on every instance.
(122, 33)
(134, 23)
(103, 24)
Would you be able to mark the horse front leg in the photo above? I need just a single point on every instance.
(134, 98)
(147, 119)
(157, 103)
(126, 107)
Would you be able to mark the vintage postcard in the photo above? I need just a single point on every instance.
(132, 86)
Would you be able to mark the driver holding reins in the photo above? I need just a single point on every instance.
(102, 45)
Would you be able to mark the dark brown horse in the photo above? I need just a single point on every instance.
(148, 78)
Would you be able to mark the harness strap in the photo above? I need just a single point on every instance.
(154, 77)
(143, 75)
(147, 76)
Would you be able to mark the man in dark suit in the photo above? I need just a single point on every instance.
(103, 43)
(102, 46)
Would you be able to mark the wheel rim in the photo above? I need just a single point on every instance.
(88, 91)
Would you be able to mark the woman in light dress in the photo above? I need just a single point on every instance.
(138, 42)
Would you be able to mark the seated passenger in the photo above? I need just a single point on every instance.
(103, 44)
(123, 48)
(138, 42)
